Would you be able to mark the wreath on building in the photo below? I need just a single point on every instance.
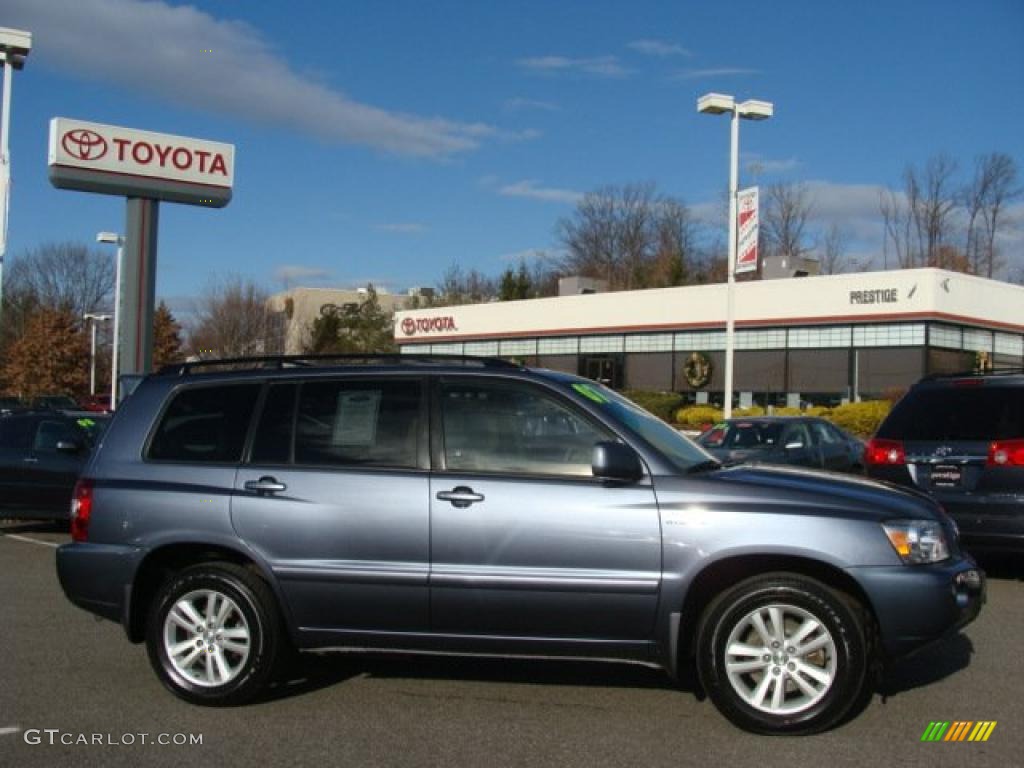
(697, 370)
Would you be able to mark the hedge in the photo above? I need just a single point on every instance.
(661, 404)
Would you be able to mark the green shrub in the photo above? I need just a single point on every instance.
(697, 416)
(661, 404)
(862, 418)
(748, 413)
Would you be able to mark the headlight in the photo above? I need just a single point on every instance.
(917, 541)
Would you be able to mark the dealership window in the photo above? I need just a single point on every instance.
(820, 338)
(690, 341)
(447, 349)
(518, 347)
(766, 339)
(947, 336)
(482, 348)
(560, 346)
(902, 335)
(1007, 344)
(601, 344)
(977, 341)
(649, 342)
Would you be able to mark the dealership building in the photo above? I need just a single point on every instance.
(820, 339)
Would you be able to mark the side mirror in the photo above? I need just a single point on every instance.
(616, 461)
(68, 446)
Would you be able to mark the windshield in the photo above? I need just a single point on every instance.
(741, 435)
(678, 449)
(93, 427)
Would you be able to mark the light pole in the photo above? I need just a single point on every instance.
(92, 355)
(114, 238)
(14, 47)
(718, 104)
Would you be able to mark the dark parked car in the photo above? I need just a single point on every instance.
(960, 438)
(473, 505)
(804, 441)
(41, 456)
(10, 405)
(55, 403)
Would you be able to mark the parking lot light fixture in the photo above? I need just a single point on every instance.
(752, 109)
(92, 354)
(113, 238)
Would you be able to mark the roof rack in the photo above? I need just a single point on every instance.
(1000, 371)
(281, 362)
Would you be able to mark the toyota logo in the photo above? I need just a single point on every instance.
(409, 326)
(84, 144)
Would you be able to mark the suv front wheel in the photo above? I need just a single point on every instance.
(783, 654)
(213, 633)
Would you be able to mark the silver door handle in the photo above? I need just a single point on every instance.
(30, 460)
(460, 497)
(265, 485)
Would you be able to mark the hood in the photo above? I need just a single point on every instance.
(812, 491)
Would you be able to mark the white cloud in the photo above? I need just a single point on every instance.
(519, 104)
(292, 273)
(180, 54)
(704, 74)
(599, 66)
(529, 188)
(659, 48)
(401, 228)
(762, 165)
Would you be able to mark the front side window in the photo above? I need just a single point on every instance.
(510, 428)
(205, 425)
(359, 423)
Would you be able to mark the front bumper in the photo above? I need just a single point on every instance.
(918, 604)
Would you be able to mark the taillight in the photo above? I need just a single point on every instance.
(1006, 453)
(81, 509)
(885, 452)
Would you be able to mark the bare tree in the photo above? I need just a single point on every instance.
(934, 200)
(630, 236)
(231, 320)
(62, 276)
(461, 287)
(832, 255)
(896, 222)
(784, 220)
(985, 200)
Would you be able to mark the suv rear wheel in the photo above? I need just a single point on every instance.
(783, 654)
(213, 633)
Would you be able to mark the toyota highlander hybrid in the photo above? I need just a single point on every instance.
(232, 513)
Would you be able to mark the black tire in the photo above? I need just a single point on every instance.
(257, 614)
(798, 712)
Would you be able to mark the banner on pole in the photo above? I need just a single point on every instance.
(746, 230)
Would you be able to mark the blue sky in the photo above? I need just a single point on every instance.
(385, 141)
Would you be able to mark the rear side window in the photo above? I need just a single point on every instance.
(970, 413)
(359, 423)
(205, 425)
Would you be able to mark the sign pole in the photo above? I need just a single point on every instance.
(138, 286)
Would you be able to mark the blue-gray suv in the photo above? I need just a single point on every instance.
(234, 512)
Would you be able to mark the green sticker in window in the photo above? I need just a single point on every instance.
(86, 423)
(590, 393)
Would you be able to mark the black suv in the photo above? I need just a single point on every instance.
(960, 437)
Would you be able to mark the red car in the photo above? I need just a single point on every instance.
(96, 403)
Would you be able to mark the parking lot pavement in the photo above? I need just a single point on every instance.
(63, 670)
